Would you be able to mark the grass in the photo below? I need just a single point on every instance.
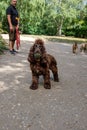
(3, 46)
(66, 39)
(60, 38)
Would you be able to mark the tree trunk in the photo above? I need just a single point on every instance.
(59, 28)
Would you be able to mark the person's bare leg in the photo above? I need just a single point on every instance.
(11, 45)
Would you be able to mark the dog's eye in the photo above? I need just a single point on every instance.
(36, 45)
(40, 47)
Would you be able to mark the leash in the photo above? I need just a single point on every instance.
(17, 38)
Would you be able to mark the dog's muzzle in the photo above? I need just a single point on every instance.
(37, 56)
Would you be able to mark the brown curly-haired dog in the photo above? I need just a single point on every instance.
(41, 63)
(75, 48)
(83, 47)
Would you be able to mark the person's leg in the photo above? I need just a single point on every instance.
(11, 45)
(12, 37)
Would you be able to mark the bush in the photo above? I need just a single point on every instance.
(2, 45)
(76, 32)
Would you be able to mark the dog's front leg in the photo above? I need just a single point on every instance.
(34, 84)
(47, 83)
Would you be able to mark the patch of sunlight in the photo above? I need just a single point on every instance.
(18, 64)
(5, 36)
(2, 87)
(25, 61)
(8, 68)
(83, 54)
(54, 50)
(67, 52)
(19, 76)
(71, 64)
(66, 44)
(17, 82)
(84, 66)
(26, 38)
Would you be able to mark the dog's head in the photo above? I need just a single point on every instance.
(38, 47)
(37, 51)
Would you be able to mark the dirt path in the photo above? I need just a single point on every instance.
(63, 107)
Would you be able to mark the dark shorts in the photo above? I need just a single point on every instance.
(12, 35)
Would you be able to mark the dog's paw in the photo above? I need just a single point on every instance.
(33, 87)
(47, 86)
(56, 79)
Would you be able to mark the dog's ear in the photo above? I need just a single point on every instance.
(43, 50)
(44, 61)
(30, 55)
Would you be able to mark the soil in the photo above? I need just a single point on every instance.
(63, 107)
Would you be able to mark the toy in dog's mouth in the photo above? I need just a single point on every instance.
(37, 56)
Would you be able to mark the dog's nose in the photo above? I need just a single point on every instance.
(37, 50)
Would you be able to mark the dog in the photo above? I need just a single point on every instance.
(75, 48)
(83, 47)
(40, 64)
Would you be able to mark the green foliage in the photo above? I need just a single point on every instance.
(78, 26)
(2, 45)
(48, 17)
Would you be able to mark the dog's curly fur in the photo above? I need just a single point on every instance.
(41, 63)
(83, 47)
(75, 48)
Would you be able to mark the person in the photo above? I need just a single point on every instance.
(13, 24)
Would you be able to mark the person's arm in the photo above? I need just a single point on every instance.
(9, 22)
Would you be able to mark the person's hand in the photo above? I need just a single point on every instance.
(11, 28)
